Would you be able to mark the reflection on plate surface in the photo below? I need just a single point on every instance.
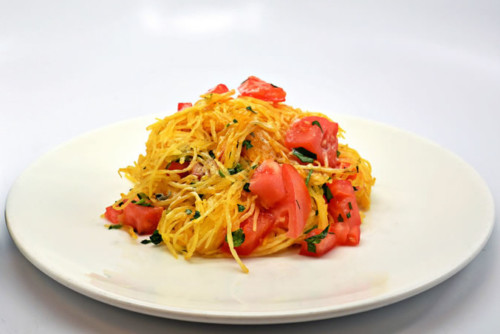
(431, 214)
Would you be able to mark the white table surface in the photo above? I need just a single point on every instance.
(430, 67)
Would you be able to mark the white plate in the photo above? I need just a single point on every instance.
(431, 214)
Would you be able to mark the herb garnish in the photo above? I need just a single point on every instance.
(249, 108)
(312, 228)
(350, 205)
(235, 170)
(304, 155)
(155, 238)
(211, 153)
(115, 227)
(308, 176)
(317, 123)
(142, 200)
(338, 153)
(238, 237)
(348, 215)
(340, 219)
(189, 211)
(221, 173)
(241, 208)
(316, 239)
(248, 144)
(327, 192)
(196, 215)
(246, 187)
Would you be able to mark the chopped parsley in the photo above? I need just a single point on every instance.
(196, 215)
(246, 187)
(155, 238)
(249, 108)
(304, 155)
(248, 144)
(143, 200)
(317, 123)
(327, 192)
(340, 219)
(241, 208)
(211, 153)
(238, 237)
(350, 205)
(348, 215)
(254, 166)
(115, 227)
(355, 189)
(338, 153)
(221, 173)
(189, 211)
(316, 239)
(161, 197)
(312, 228)
(235, 170)
(308, 177)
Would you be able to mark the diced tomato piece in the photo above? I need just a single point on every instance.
(267, 183)
(262, 90)
(323, 247)
(318, 135)
(174, 165)
(297, 200)
(183, 105)
(344, 209)
(144, 219)
(253, 238)
(219, 89)
(113, 215)
(341, 231)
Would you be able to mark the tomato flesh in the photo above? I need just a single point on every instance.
(345, 211)
(267, 183)
(298, 201)
(253, 238)
(259, 89)
(323, 247)
(183, 105)
(318, 139)
(144, 219)
(219, 89)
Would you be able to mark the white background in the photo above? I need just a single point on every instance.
(430, 67)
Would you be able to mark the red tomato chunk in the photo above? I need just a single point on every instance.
(345, 211)
(259, 89)
(323, 247)
(144, 219)
(318, 135)
(219, 89)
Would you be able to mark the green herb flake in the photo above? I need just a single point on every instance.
(350, 205)
(318, 124)
(241, 208)
(357, 169)
(249, 108)
(246, 187)
(312, 228)
(316, 239)
(143, 200)
(238, 237)
(304, 155)
(296, 201)
(235, 121)
(154, 238)
(338, 153)
(340, 219)
(308, 176)
(221, 173)
(254, 166)
(355, 189)
(115, 227)
(247, 144)
(235, 170)
(196, 215)
(211, 153)
(316, 213)
(189, 211)
(348, 215)
(327, 192)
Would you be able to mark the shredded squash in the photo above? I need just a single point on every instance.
(219, 142)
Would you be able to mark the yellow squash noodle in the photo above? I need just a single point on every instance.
(210, 139)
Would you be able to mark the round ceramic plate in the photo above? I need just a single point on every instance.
(431, 214)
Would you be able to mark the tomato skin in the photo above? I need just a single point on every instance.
(183, 105)
(297, 200)
(323, 247)
(253, 239)
(343, 200)
(259, 89)
(320, 141)
(174, 165)
(144, 219)
(219, 89)
(267, 183)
